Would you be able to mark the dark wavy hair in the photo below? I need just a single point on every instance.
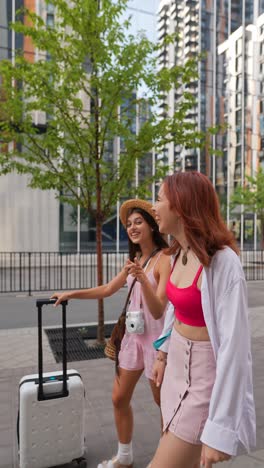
(157, 237)
(192, 196)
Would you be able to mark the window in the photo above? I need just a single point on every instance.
(239, 64)
(238, 83)
(238, 118)
(50, 16)
(238, 172)
(239, 46)
(238, 99)
(238, 154)
(261, 126)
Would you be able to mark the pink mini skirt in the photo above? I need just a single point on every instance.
(187, 386)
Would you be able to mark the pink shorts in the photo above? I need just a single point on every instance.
(137, 352)
(187, 386)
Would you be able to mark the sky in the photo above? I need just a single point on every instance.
(143, 14)
(143, 17)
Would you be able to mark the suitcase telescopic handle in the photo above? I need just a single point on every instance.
(41, 302)
(64, 392)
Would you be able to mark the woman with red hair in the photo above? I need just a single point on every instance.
(206, 395)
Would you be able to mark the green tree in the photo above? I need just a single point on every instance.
(83, 86)
(251, 198)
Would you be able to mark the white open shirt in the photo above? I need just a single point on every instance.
(231, 423)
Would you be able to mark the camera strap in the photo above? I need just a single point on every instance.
(135, 279)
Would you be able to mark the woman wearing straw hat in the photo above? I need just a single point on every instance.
(149, 297)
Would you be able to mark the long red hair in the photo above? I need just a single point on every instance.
(194, 199)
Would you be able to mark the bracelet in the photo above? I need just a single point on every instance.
(162, 359)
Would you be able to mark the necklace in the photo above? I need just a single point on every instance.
(184, 257)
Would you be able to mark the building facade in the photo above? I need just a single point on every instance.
(29, 218)
(201, 27)
(34, 220)
(241, 57)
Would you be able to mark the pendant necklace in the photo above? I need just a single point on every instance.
(184, 257)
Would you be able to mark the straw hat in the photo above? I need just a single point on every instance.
(135, 203)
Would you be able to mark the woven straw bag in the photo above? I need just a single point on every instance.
(113, 345)
(110, 350)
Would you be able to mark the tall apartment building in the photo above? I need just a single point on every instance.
(201, 26)
(242, 110)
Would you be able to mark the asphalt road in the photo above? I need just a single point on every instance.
(19, 311)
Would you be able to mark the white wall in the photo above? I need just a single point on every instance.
(29, 217)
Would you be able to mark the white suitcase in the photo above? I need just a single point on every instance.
(51, 411)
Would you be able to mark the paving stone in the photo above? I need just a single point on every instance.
(18, 350)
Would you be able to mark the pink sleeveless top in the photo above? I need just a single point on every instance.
(153, 328)
(187, 302)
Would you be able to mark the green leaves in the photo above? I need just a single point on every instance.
(67, 107)
(251, 195)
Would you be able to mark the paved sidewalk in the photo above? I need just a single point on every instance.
(18, 357)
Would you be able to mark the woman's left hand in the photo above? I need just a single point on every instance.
(210, 455)
(158, 369)
(136, 270)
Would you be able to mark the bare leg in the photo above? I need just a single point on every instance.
(156, 395)
(155, 391)
(173, 452)
(123, 389)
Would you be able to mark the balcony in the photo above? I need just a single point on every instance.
(191, 50)
(191, 40)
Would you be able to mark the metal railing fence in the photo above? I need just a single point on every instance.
(53, 271)
(253, 264)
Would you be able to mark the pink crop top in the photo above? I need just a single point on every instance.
(187, 302)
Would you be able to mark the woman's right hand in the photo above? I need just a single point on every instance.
(127, 267)
(159, 368)
(60, 297)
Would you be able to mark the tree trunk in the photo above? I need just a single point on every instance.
(262, 233)
(99, 216)
(100, 327)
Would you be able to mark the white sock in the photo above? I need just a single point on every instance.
(125, 453)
